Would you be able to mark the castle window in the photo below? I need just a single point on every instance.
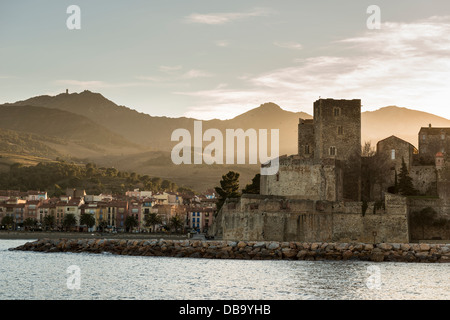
(332, 151)
(340, 130)
(307, 149)
(278, 176)
(337, 112)
(393, 154)
(424, 137)
(442, 136)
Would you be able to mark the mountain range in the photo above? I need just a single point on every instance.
(86, 126)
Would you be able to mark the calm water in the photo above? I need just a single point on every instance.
(34, 275)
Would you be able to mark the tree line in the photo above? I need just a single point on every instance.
(56, 177)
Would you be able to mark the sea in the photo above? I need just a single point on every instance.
(87, 276)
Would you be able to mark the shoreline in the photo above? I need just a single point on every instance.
(27, 235)
(247, 250)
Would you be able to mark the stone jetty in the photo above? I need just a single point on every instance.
(250, 250)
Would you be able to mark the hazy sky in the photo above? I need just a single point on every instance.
(217, 59)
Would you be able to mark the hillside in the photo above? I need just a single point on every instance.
(401, 122)
(61, 127)
(155, 132)
(128, 123)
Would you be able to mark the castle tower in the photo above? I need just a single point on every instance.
(337, 127)
(306, 138)
(337, 135)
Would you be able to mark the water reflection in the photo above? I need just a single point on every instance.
(33, 275)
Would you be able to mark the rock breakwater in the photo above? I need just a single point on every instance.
(263, 250)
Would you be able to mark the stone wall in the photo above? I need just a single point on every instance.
(312, 179)
(434, 229)
(424, 179)
(254, 250)
(264, 218)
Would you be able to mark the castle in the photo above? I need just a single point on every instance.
(329, 154)
(324, 192)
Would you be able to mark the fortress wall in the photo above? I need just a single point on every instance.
(436, 229)
(255, 218)
(424, 179)
(311, 180)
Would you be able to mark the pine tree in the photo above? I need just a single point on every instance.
(253, 188)
(405, 184)
(229, 188)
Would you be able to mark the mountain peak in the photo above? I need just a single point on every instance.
(269, 106)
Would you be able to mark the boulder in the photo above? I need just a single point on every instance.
(260, 244)
(241, 244)
(273, 246)
(288, 253)
(302, 254)
(384, 246)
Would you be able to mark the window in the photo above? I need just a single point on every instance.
(340, 130)
(278, 177)
(424, 137)
(337, 112)
(442, 136)
(307, 149)
(332, 151)
(393, 154)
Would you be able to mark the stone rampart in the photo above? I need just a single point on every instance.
(265, 218)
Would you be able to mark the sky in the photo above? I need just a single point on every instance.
(217, 59)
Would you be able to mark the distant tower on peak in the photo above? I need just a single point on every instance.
(67, 91)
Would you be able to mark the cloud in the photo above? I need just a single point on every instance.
(289, 45)
(194, 74)
(404, 64)
(170, 69)
(222, 43)
(223, 18)
(97, 84)
(175, 75)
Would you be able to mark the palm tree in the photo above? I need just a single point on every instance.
(69, 221)
(176, 222)
(8, 221)
(130, 223)
(102, 225)
(29, 223)
(88, 220)
(152, 219)
(49, 221)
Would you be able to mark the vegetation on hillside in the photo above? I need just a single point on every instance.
(26, 143)
(56, 177)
